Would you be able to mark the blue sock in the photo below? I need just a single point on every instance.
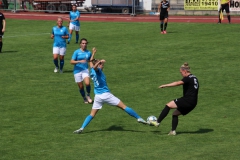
(55, 61)
(82, 92)
(77, 37)
(69, 37)
(87, 121)
(131, 112)
(61, 64)
(88, 88)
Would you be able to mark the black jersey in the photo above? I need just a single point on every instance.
(1, 19)
(164, 6)
(190, 87)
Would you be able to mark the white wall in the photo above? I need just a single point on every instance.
(146, 4)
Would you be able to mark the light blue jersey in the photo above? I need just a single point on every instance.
(81, 55)
(99, 80)
(74, 15)
(58, 33)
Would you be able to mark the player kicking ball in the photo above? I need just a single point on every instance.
(103, 94)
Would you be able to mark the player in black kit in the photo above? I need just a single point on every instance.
(2, 28)
(182, 105)
(163, 8)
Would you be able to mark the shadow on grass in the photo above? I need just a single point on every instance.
(200, 131)
(113, 128)
(67, 71)
(8, 52)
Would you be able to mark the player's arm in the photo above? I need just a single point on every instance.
(66, 35)
(94, 50)
(168, 7)
(78, 16)
(76, 62)
(52, 35)
(173, 84)
(159, 7)
(95, 66)
(4, 25)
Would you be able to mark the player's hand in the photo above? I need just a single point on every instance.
(82, 61)
(162, 86)
(94, 50)
(102, 61)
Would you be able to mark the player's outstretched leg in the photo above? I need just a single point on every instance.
(132, 113)
(85, 123)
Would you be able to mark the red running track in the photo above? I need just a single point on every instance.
(118, 18)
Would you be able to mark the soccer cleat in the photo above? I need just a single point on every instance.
(85, 100)
(78, 131)
(60, 71)
(55, 70)
(219, 23)
(154, 123)
(140, 120)
(89, 99)
(164, 32)
(172, 133)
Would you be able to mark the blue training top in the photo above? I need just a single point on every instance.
(74, 15)
(99, 80)
(81, 55)
(58, 33)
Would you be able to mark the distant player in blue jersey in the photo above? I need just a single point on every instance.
(74, 24)
(59, 34)
(80, 60)
(103, 94)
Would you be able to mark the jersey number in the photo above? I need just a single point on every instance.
(195, 83)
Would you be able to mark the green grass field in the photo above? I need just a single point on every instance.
(40, 109)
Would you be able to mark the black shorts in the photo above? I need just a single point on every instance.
(163, 16)
(1, 33)
(185, 105)
(225, 7)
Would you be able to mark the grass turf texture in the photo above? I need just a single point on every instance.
(40, 109)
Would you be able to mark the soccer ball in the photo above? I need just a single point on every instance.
(151, 118)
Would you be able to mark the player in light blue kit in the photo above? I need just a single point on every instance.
(59, 34)
(74, 24)
(103, 94)
(80, 60)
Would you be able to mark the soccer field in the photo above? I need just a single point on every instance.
(41, 109)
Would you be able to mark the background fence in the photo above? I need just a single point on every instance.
(131, 7)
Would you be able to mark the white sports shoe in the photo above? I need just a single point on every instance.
(154, 123)
(140, 120)
(85, 100)
(172, 133)
(89, 99)
(78, 131)
(55, 70)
